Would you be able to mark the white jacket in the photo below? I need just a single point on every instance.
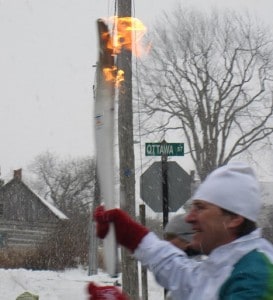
(191, 280)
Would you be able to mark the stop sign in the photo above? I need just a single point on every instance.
(178, 182)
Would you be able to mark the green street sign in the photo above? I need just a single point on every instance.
(168, 149)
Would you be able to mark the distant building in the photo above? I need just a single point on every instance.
(25, 218)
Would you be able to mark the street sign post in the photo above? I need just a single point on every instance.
(168, 149)
(162, 180)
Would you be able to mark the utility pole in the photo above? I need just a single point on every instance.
(93, 241)
(126, 155)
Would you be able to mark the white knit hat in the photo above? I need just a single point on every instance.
(233, 187)
(177, 226)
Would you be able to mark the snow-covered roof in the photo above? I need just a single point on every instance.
(53, 208)
(60, 215)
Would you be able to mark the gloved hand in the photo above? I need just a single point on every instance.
(129, 233)
(105, 292)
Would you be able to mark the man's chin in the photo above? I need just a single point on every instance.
(196, 244)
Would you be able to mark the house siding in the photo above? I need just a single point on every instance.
(24, 219)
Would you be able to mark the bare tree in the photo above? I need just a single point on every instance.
(210, 77)
(68, 183)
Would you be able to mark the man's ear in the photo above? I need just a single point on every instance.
(235, 221)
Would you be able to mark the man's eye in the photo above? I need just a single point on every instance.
(199, 207)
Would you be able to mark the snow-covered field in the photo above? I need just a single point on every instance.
(64, 285)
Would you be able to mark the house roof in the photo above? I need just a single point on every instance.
(53, 208)
(18, 177)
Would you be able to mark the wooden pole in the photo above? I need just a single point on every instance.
(93, 241)
(126, 156)
(144, 280)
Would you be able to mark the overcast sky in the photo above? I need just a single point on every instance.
(48, 49)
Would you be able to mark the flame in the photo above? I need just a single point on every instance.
(127, 33)
(114, 75)
(120, 77)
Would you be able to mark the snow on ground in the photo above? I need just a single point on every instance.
(63, 285)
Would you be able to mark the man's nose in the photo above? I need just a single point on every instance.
(190, 217)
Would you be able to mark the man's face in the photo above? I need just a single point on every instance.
(211, 226)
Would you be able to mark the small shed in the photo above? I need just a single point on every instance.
(25, 217)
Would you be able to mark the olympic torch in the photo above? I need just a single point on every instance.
(104, 139)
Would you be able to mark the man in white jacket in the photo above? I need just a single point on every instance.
(223, 215)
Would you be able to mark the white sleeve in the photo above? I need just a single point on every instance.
(171, 266)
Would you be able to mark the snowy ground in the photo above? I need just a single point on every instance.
(66, 285)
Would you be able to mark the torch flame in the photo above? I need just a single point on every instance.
(127, 34)
(120, 77)
(114, 75)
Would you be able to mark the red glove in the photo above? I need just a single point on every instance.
(129, 233)
(105, 292)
